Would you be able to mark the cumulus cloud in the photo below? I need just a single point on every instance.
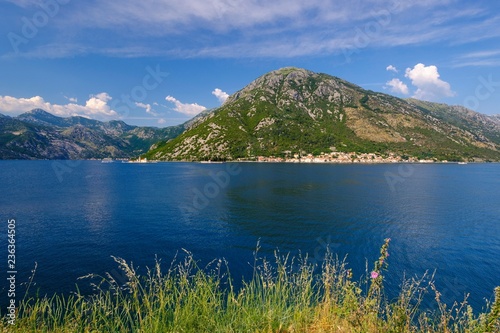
(397, 86)
(97, 104)
(391, 68)
(429, 85)
(185, 108)
(95, 107)
(221, 95)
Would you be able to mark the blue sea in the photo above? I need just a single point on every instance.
(73, 216)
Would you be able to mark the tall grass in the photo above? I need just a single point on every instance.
(287, 295)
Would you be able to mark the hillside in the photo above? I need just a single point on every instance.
(293, 110)
(40, 135)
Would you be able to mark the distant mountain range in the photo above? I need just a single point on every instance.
(40, 135)
(293, 110)
(285, 112)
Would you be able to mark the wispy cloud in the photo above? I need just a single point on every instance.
(487, 28)
(481, 54)
(486, 58)
(238, 28)
(25, 3)
(72, 99)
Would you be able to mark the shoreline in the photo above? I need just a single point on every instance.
(119, 161)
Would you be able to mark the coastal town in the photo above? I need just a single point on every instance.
(341, 157)
(334, 157)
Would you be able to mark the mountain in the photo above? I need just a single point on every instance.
(295, 111)
(41, 117)
(38, 134)
(484, 127)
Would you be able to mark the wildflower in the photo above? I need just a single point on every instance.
(374, 275)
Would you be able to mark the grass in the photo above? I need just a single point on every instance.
(287, 295)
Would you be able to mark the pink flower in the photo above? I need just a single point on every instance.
(374, 275)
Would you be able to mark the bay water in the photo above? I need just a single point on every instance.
(72, 216)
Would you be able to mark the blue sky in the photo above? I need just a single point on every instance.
(159, 62)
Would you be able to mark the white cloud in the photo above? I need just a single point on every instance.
(429, 85)
(391, 68)
(478, 58)
(221, 95)
(478, 63)
(161, 121)
(253, 28)
(147, 107)
(482, 54)
(188, 109)
(95, 107)
(26, 3)
(397, 86)
(72, 99)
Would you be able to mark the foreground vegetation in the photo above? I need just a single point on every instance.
(286, 296)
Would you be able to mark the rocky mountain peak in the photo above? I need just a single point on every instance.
(41, 117)
(37, 112)
(290, 84)
(296, 110)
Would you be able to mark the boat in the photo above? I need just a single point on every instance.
(107, 160)
(462, 163)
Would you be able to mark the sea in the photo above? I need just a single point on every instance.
(70, 218)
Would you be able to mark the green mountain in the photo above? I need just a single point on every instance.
(40, 135)
(293, 110)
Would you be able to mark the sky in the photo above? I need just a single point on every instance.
(161, 62)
